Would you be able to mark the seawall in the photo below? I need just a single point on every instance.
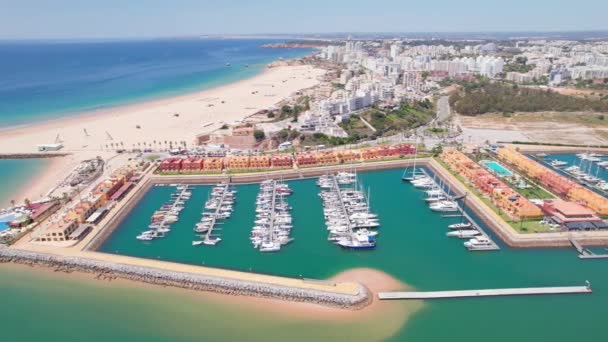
(307, 292)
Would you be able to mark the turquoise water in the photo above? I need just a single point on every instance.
(412, 247)
(15, 174)
(587, 166)
(498, 168)
(48, 80)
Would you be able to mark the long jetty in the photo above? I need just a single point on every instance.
(344, 295)
(486, 292)
(217, 212)
(342, 205)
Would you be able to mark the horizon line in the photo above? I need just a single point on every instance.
(394, 34)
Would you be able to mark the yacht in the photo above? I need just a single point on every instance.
(464, 234)
(356, 244)
(435, 198)
(478, 242)
(461, 225)
(197, 243)
(558, 163)
(444, 206)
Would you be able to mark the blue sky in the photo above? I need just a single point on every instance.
(155, 18)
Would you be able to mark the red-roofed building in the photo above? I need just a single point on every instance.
(281, 160)
(192, 164)
(171, 165)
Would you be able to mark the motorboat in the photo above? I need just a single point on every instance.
(478, 242)
(197, 243)
(444, 206)
(461, 225)
(558, 163)
(463, 234)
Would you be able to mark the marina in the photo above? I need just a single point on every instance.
(168, 214)
(402, 214)
(440, 199)
(487, 292)
(348, 219)
(588, 169)
(273, 222)
(219, 205)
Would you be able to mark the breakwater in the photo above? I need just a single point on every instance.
(193, 281)
(32, 155)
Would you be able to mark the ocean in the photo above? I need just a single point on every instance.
(16, 173)
(49, 80)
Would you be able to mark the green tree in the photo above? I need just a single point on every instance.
(259, 134)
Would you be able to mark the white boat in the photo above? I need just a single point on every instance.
(197, 243)
(435, 198)
(461, 225)
(444, 206)
(478, 242)
(212, 241)
(270, 247)
(558, 163)
(463, 234)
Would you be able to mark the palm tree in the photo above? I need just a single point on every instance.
(12, 203)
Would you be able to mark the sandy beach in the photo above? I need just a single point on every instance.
(92, 134)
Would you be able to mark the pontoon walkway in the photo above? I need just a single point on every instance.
(485, 293)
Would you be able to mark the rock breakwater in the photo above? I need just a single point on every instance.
(193, 281)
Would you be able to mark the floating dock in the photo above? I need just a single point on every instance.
(486, 293)
(462, 213)
(586, 253)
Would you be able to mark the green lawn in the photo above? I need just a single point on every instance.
(527, 226)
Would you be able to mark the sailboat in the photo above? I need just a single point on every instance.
(414, 175)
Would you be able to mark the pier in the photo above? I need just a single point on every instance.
(342, 205)
(586, 253)
(463, 214)
(486, 293)
(216, 214)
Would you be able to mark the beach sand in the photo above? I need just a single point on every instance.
(109, 129)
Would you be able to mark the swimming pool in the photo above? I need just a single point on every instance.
(496, 167)
(4, 220)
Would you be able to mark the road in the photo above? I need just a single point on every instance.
(443, 109)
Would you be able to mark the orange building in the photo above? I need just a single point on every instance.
(108, 187)
(281, 160)
(213, 164)
(237, 162)
(556, 182)
(348, 156)
(326, 157)
(259, 162)
(306, 158)
(512, 203)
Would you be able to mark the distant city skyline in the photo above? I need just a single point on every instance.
(74, 19)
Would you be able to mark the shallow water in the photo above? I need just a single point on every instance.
(16, 173)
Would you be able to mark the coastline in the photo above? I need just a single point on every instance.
(121, 110)
(91, 134)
